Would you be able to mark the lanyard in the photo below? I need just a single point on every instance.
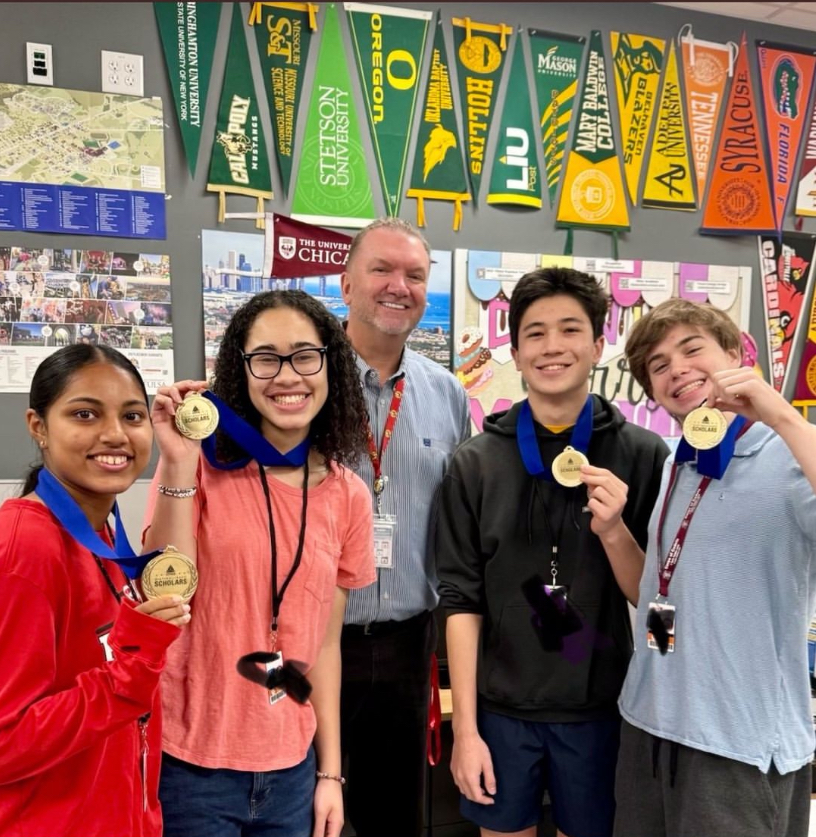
(277, 594)
(528, 443)
(68, 512)
(377, 455)
(665, 569)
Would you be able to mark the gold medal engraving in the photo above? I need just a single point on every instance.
(170, 574)
(704, 428)
(196, 417)
(566, 467)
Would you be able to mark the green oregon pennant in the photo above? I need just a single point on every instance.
(188, 32)
(332, 187)
(556, 62)
(389, 44)
(283, 32)
(240, 162)
(480, 49)
(515, 178)
(438, 172)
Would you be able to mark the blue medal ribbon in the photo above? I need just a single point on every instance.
(713, 462)
(528, 443)
(68, 512)
(251, 440)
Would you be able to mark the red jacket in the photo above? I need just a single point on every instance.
(78, 671)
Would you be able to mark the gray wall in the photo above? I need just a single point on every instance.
(78, 31)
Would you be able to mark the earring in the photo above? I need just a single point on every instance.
(42, 443)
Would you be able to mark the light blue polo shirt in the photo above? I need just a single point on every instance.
(737, 684)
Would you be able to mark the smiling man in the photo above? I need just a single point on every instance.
(542, 524)
(418, 414)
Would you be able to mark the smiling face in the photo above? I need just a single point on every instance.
(681, 365)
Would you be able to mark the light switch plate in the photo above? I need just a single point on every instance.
(39, 64)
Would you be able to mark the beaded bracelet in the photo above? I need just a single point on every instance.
(320, 775)
(178, 493)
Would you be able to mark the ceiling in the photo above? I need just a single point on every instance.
(796, 15)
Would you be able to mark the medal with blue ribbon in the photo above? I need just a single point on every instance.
(714, 461)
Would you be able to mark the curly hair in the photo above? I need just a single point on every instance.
(338, 431)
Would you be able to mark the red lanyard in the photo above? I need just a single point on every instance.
(377, 456)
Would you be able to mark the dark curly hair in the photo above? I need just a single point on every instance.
(338, 431)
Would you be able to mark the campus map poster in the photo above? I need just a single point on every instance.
(54, 298)
(81, 163)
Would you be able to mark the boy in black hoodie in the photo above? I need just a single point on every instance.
(542, 523)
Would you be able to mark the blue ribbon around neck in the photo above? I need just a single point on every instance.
(528, 443)
(68, 512)
(712, 462)
(251, 440)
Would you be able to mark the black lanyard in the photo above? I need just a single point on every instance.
(556, 535)
(109, 581)
(277, 595)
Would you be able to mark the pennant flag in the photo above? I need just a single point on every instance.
(188, 32)
(592, 194)
(669, 178)
(283, 34)
(515, 177)
(240, 162)
(806, 191)
(805, 390)
(786, 75)
(294, 248)
(556, 60)
(638, 62)
(389, 44)
(479, 59)
(438, 172)
(787, 276)
(739, 197)
(706, 67)
(332, 182)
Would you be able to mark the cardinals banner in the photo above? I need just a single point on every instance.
(786, 266)
(739, 197)
(593, 192)
(294, 248)
(805, 390)
(438, 172)
(669, 177)
(638, 62)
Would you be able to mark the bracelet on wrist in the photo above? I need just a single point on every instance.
(177, 493)
(321, 775)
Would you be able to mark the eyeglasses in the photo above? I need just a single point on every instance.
(266, 365)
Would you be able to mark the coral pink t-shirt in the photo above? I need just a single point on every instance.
(213, 717)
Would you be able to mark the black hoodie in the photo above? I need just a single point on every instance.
(495, 531)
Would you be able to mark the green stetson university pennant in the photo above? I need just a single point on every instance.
(188, 32)
(332, 187)
(283, 33)
(515, 178)
(438, 172)
(389, 44)
(240, 162)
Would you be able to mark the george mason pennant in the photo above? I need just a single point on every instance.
(240, 162)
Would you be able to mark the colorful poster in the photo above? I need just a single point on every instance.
(81, 163)
(295, 248)
(739, 197)
(231, 275)
(240, 161)
(438, 172)
(332, 186)
(669, 179)
(706, 68)
(389, 45)
(556, 59)
(806, 190)
(55, 298)
(484, 282)
(480, 49)
(188, 32)
(786, 267)
(786, 77)
(283, 34)
(638, 63)
(592, 194)
(515, 179)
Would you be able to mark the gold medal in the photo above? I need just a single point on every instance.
(704, 428)
(196, 417)
(170, 574)
(566, 467)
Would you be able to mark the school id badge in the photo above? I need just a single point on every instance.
(277, 693)
(660, 625)
(385, 527)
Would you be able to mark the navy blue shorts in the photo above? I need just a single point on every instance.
(575, 762)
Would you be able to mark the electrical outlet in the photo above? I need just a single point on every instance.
(122, 73)
(39, 65)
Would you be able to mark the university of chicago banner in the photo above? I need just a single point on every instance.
(294, 248)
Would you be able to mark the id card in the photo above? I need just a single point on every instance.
(667, 614)
(385, 526)
(275, 694)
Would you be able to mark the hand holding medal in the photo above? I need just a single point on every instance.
(182, 417)
(740, 390)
